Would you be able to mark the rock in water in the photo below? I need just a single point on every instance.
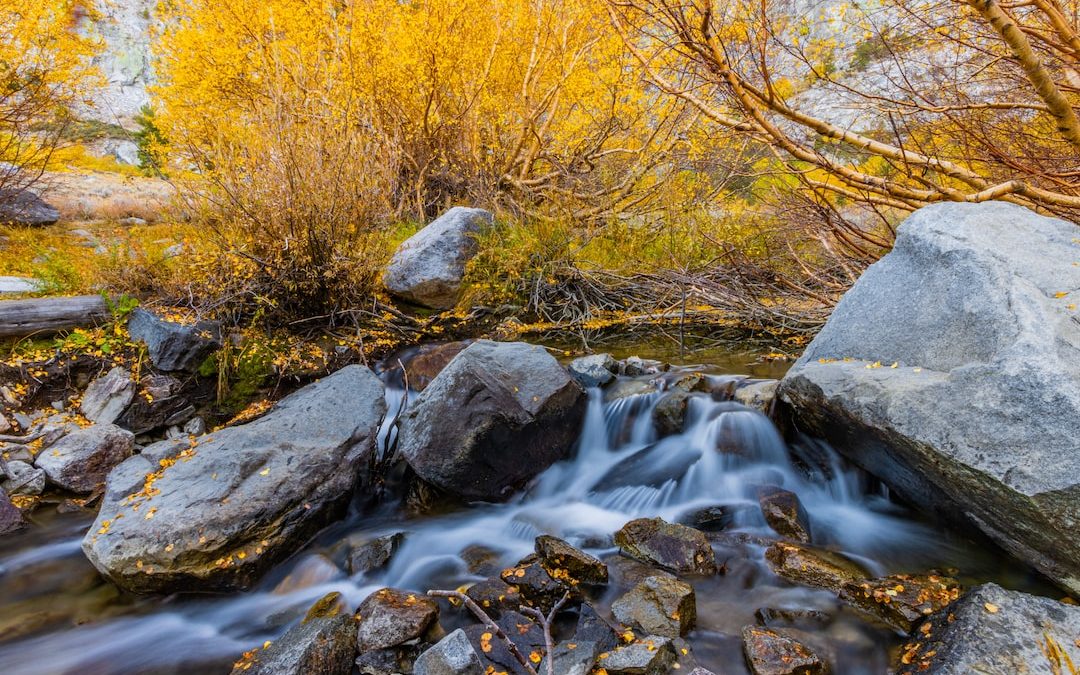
(218, 514)
(174, 346)
(994, 631)
(453, 655)
(770, 653)
(812, 567)
(678, 548)
(324, 643)
(107, 397)
(25, 207)
(428, 267)
(784, 513)
(653, 655)
(901, 600)
(595, 370)
(81, 460)
(494, 418)
(560, 559)
(660, 606)
(11, 518)
(976, 423)
(388, 617)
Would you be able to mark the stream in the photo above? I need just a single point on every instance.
(57, 615)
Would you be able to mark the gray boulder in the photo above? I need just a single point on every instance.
(389, 617)
(81, 460)
(11, 518)
(769, 652)
(674, 547)
(174, 346)
(453, 655)
(217, 513)
(951, 370)
(653, 655)
(495, 417)
(23, 479)
(994, 631)
(107, 397)
(324, 642)
(595, 370)
(659, 605)
(25, 207)
(428, 267)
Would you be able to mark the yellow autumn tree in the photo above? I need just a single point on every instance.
(45, 69)
(313, 125)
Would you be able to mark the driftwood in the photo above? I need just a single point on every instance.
(37, 316)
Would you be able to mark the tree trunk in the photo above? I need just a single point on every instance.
(20, 318)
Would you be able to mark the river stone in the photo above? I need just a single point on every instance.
(453, 655)
(495, 596)
(81, 460)
(993, 631)
(669, 415)
(428, 268)
(977, 422)
(595, 370)
(108, 396)
(537, 588)
(659, 606)
(375, 553)
(225, 509)
(770, 653)
(25, 207)
(674, 547)
(813, 567)
(591, 627)
(174, 346)
(494, 418)
(901, 600)
(23, 479)
(526, 634)
(572, 658)
(563, 561)
(324, 642)
(11, 518)
(652, 655)
(758, 395)
(389, 617)
(784, 513)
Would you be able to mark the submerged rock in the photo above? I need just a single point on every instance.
(976, 423)
(324, 643)
(784, 513)
(389, 617)
(428, 268)
(174, 346)
(563, 561)
(494, 418)
(659, 606)
(678, 548)
(81, 460)
(107, 397)
(374, 554)
(595, 370)
(453, 655)
(813, 567)
(219, 513)
(901, 600)
(994, 631)
(770, 653)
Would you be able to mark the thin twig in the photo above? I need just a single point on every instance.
(491, 625)
(545, 623)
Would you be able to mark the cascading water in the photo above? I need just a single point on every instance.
(621, 471)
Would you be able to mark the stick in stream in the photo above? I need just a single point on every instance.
(491, 625)
(545, 623)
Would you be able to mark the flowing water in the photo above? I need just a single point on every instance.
(57, 616)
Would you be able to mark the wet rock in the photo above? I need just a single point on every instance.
(324, 642)
(634, 366)
(11, 518)
(625, 388)
(595, 370)
(81, 460)
(758, 395)
(563, 561)
(174, 346)
(428, 268)
(784, 513)
(23, 479)
(108, 396)
(669, 415)
(992, 630)
(430, 360)
(812, 567)
(217, 514)
(678, 548)
(498, 415)
(313, 570)
(900, 601)
(495, 596)
(691, 382)
(537, 588)
(390, 661)
(453, 655)
(659, 606)
(976, 424)
(771, 617)
(390, 617)
(716, 518)
(701, 671)
(653, 655)
(25, 207)
(770, 653)
(572, 658)
(494, 656)
(374, 554)
(591, 627)
(481, 560)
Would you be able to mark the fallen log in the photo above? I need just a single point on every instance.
(42, 316)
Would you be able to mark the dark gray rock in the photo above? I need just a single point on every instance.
(976, 423)
(25, 207)
(770, 653)
(428, 267)
(174, 346)
(11, 518)
(652, 655)
(107, 397)
(900, 600)
(993, 631)
(389, 617)
(526, 634)
(23, 479)
(784, 513)
(659, 606)
(219, 512)
(374, 554)
(494, 418)
(563, 561)
(669, 415)
(81, 460)
(536, 587)
(591, 627)
(453, 655)
(595, 370)
(324, 642)
(674, 547)
(813, 567)
(758, 395)
(572, 658)
(495, 596)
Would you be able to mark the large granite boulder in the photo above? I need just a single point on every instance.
(215, 514)
(951, 370)
(494, 418)
(994, 631)
(174, 345)
(428, 267)
(25, 207)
